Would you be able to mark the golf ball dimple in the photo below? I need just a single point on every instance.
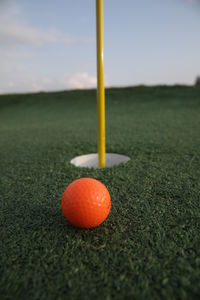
(86, 203)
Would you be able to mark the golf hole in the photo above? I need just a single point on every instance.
(91, 160)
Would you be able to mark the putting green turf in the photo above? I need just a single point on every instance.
(149, 247)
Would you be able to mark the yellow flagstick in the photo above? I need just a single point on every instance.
(100, 85)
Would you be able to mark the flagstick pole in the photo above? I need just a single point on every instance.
(100, 84)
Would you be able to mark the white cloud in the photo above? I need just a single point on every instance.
(17, 34)
(18, 79)
(14, 32)
(20, 71)
(82, 81)
(18, 83)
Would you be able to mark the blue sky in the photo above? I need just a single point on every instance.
(51, 45)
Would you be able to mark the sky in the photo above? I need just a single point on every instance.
(48, 45)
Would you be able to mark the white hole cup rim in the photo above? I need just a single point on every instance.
(91, 160)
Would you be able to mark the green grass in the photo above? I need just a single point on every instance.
(149, 247)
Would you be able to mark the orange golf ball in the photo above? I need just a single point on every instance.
(86, 203)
